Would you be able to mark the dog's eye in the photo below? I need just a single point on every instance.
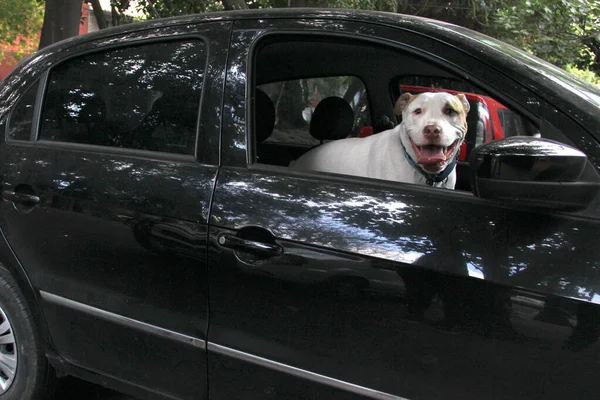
(450, 112)
(417, 111)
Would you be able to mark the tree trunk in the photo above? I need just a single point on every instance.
(99, 14)
(61, 21)
(235, 4)
(116, 17)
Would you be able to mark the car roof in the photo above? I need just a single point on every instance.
(377, 17)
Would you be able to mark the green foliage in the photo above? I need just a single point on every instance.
(20, 24)
(169, 8)
(560, 31)
(584, 74)
(380, 5)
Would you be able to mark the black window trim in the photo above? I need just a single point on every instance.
(160, 155)
(36, 112)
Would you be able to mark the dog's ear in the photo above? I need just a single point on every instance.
(402, 102)
(464, 102)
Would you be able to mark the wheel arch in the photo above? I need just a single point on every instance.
(10, 262)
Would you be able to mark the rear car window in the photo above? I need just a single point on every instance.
(143, 97)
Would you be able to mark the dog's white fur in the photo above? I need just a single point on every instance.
(427, 119)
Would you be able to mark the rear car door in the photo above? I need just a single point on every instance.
(106, 201)
(329, 286)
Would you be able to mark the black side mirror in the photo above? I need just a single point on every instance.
(533, 172)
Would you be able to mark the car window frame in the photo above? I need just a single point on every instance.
(36, 112)
(410, 50)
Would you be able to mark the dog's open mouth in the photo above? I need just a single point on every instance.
(433, 158)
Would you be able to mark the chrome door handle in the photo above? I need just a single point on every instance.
(21, 198)
(249, 246)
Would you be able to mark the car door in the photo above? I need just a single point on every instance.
(106, 201)
(330, 286)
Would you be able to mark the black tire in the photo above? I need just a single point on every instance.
(34, 378)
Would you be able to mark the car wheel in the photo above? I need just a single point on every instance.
(25, 373)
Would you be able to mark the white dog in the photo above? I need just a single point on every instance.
(423, 149)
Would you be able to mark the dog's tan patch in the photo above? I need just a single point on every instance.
(403, 102)
(460, 104)
(463, 100)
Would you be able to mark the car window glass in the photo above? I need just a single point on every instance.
(296, 100)
(142, 97)
(21, 118)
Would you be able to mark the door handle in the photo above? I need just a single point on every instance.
(21, 198)
(250, 246)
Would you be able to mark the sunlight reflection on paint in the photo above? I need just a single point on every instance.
(474, 272)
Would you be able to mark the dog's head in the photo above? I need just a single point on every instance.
(435, 125)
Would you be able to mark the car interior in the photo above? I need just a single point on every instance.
(309, 89)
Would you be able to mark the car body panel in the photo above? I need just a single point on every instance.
(376, 340)
(484, 287)
(116, 247)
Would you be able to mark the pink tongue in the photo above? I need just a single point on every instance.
(431, 155)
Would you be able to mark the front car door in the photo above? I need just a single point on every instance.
(122, 163)
(330, 286)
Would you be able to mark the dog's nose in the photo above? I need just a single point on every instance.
(432, 131)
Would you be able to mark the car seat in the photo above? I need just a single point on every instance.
(332, 119)
(264, 116)
(264, 122)
(93, 116)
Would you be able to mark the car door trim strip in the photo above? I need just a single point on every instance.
(301, 373)
(122, 320)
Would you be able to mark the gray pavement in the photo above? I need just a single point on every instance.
(75, 389)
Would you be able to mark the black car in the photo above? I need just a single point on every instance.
(155, 241)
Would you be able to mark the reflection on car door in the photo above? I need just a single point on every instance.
(332, 287)
(117, 243)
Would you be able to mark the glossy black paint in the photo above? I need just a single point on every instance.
(319, 286)
(533, 172)
(410, 292)
(106, 237)
(405, 267)
(116, 245)
(528, 159)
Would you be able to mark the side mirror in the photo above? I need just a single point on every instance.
(533, 172)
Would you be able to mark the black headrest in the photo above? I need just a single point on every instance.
(264, 115)
(332, 119)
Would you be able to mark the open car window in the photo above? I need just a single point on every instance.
(295, 75)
